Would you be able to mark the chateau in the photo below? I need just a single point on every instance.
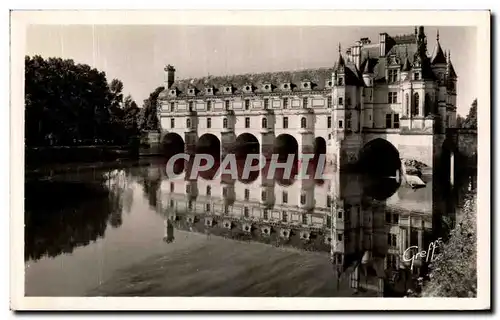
(392, 93)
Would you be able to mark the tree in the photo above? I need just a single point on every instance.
(471, 119)
(148, 118)
(460, 121)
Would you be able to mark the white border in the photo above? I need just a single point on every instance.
(19, 20)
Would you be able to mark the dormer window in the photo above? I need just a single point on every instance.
(191, 91)
(286, 86)
(173, 92)
(329, 83)
(248, 88)
(306, 85)
(341, 81)
(266, 87)
(209, 91)
(228, 90)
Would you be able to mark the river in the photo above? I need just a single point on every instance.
(128, 230)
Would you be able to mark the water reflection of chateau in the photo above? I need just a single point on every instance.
(364, 227)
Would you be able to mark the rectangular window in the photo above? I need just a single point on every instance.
(329, 136)
(304, 103)
(329, 122)
(171, 187)
(341, 124)
(285, 103)
(247, 194)
(388, 120)
(328, 201)
(264, 196)
(396, 121)
(172, 123)
(340, 237)
(395, 218)
(341, 101)
(417, 76)
(393, 76)
(302, 199)
(348, 124)
(209, 123)
(209, 190)
(226, 209)
(207, 207)
(339, 214)
(266, 103)
(285, 122)
(329, 102)
(209, 105)
(304, 219)
(341, 81)
(284, 197)
(246, 212)
(247, 104)
(247, 122)
(227, 104)
(172, 106)
(328, 221)
(284, 216)
(266, 214)
(392, 97)
(188, 188)
(190, 106)
(171, 203)
(224, 192)
(190, 205)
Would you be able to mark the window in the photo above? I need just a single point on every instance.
(285, 103)
(207, 207)
(304, 219)
(329, 122)
(427, 105)
(209, 123)
(246, 212)
(392, 240)
(341, 125)
(190, 205)
(302, 199)
(264, 196)
(341, 101)
(393, 97)
(328, 220)
(188, 188)
(285, 122)
(340, 237)
(348, 101)
(284, 216)
(172, 123)
(417, 76)
(304, 103)
(226, 209)
(209, 105)
(247, 122)
(329, 102)
(172, 106)
(190, 106)
(329, 136)
(209, 190)
(224, 192)
(227, 104)
(388, 120)
(407, 105)
(395, 218)
(284, 197)
(247, 194)
(171, 187)
(393, 76)
(416, 104)
(348, 124)
(328, 201)
(339, 214)
(266, 103)
(303, 123)
(171, 203)
(247, 104)
(188, 123)
(396, 121)
(266, 214)
(264, 123)
(224, 123)
(341, 81)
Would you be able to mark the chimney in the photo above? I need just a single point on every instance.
(382, 39)
(169, 75)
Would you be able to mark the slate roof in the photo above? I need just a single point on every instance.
(319, 79)
(438, 55)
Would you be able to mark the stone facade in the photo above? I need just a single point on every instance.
(391, 90)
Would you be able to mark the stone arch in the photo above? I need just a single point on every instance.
(209, 144)
(172, 144)
(246, 143)
(379, 157)
(285, 144)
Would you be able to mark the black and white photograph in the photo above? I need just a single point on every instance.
(244, 159)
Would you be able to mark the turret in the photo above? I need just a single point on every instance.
(406, 69)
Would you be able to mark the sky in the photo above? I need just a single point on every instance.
(137, 54)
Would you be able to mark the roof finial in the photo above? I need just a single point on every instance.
(406, 50)
(340, 48)
(437, 35)
(449, 55)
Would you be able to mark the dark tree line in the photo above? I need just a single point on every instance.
(68, 104)
(469, 122)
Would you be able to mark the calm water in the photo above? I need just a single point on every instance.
(129, 231)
